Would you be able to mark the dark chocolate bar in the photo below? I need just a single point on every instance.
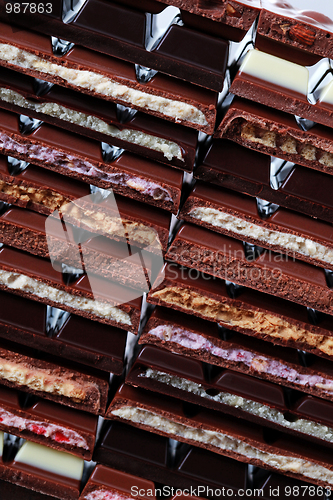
(236, 215)
(64, 382)
(200, 339)
(274, 273)
(250, 312)
(303, 190)
(276, 133)
(82, 158)
(26, 322)
(233, 393)
(108, 78)
(45, 422)
(100, 120)
(45, 470)
(182, 52)
(35, 278)
(223, 434)
(280, 84)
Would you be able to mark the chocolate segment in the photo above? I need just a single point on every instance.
(251, 312)
(111, 79)
(276, 133)
(167, 416)
(45, 422)
(236, 215)
(35, 278)
(233, 393)
(182, 52)
(82, 158)
(98, 119)
(78, 339)
(303, 190)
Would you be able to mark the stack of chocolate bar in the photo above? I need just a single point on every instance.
(135, 168)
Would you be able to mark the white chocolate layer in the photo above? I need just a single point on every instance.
(225, 442)
(305, 246)
(103, 85)
(169, 148)
(247, 405)
(275, 70)
(44, 458)
(18, 281)
(104, 494)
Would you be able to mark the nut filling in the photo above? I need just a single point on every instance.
(247, 405)
(221, 441)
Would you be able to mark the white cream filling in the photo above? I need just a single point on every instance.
(104, 494)
(169, 148)
(102, 85)
(24, 283)
(54, 432)
(293, 242)
(260, 410)
(222, 441)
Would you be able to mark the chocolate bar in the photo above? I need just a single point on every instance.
(273, 273)
(45, 422)
(39, 235)
(200, 339)
(302, 189)
(43, 469)
(64, 382)
(236, 215)
(277, 134)
(223, 434)
(182, 52)
(29, 189)
(82, 158)
(77, 339)
(290, 25)
(110, 483)
(99, 120)
(282, 85)
(233, 393)
(33, 277)
(250, 312)
(108, 78)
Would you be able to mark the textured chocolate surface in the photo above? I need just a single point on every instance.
(183, 52)
(306, 191)
(121, 72)
(79, 339)
(107, 112)
(206, 196)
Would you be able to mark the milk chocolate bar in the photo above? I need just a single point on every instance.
(101, 120)
(33, 277)
(223, 434)
(82, 158)
(197, 338)
(233, 393)
(30, 189)
(48, 423)
(108, 78)
(45, 237)
(236, 215)
(276, 133)
(303, 190)
(282, 85)
(249, 311)
(45, 470)
(182, 52)
(273, 273)
(107, 483)
(78, 339)
(290, 26)
(64, 382)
